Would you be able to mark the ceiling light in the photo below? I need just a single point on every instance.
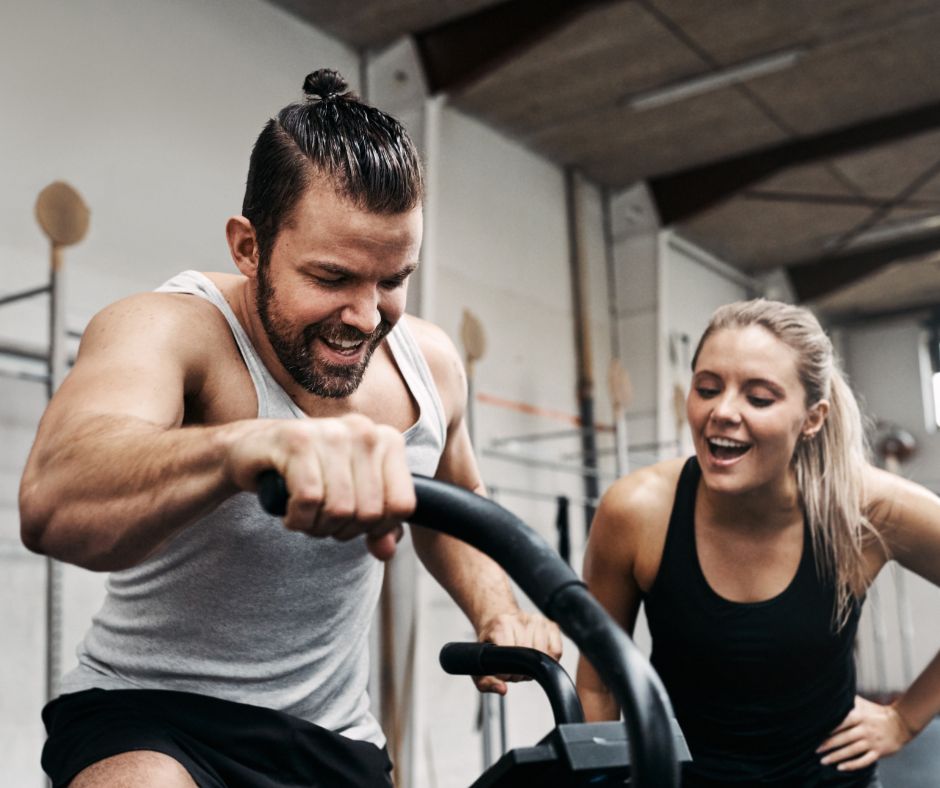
(895, 230)
(715, 80)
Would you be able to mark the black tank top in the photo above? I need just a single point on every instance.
(756, 687)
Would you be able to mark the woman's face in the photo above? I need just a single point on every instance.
(747, 409)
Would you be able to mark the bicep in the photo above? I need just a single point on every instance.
(608, 568)
(908, 517)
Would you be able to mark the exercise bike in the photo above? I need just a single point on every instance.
(647, 751)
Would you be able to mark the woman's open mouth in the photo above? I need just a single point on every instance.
(726, 449)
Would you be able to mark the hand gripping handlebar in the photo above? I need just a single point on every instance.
(558, 592)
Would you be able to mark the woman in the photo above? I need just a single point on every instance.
(752, 559)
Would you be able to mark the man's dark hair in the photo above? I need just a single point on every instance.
(366, 154)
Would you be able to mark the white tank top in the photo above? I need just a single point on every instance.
(236, 606)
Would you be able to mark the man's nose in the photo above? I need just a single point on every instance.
(362, 311)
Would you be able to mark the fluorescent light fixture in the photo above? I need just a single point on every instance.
(894, 230)
(722, 78)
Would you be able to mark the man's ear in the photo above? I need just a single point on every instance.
(815, 418)
(242, 245)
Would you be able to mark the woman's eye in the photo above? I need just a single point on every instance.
(705, 393)
(760, 402)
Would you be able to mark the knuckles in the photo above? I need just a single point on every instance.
(327, 461)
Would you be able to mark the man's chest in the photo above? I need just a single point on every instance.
(229, 393)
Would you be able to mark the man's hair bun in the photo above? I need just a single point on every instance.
(325, 84)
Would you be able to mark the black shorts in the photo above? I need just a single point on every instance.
(222, 744)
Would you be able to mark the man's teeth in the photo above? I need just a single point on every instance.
(345, 344)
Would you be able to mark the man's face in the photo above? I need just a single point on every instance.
(334, 286)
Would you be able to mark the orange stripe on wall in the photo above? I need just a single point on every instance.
(535, 410)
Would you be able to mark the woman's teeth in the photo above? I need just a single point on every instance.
(727, 449)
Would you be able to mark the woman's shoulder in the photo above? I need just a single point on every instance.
(647, 491)
(633, 518)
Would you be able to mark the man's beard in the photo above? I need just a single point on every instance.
(334, 381)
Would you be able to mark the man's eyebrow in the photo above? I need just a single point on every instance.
(336, 269)
(330, 268)
(405, 271)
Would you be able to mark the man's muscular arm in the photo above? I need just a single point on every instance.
(476, 583)
(113, 473)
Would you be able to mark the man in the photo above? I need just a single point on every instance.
(231, 650)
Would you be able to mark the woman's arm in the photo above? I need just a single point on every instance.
(908, 518)
(619, 562)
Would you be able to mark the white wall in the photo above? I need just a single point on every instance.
(149, 109)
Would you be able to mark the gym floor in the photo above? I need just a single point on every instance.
(917, 765)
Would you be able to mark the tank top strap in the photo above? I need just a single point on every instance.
(679, 557)
(414, 369)
(273, 401)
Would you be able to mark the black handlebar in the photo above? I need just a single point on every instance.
(486, 659)
(556, 590)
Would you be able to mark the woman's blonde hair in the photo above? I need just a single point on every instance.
(829, 466)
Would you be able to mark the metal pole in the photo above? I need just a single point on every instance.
(621, 456)
(58, 364)
(582, 343)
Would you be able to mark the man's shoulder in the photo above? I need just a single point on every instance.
(442, 359)
(430, 337)
(437, 348)
(157, 310)
(183, 325)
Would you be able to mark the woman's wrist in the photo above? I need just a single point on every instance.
(903, 721)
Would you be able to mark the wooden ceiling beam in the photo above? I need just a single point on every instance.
(685, 194)
(460, 51)
(825, 275)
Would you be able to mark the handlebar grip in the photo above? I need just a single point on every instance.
(272, 493)
(487, 659)
(464, 659)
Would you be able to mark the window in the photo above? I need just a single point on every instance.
(933, 355)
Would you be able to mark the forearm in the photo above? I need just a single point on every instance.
(108, 491)
(596, 700)
(921, 702)
(476, 583)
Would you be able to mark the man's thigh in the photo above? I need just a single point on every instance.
(142, 768)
